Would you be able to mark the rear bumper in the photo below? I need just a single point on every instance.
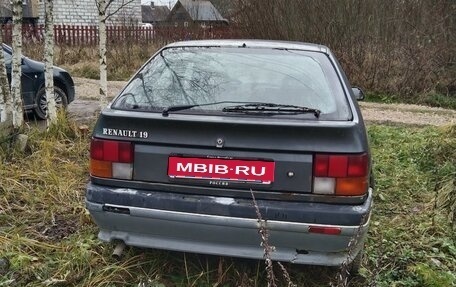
(227, 235)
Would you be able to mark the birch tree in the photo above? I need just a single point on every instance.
(102, 5)
(6, 101)
(49, 61)
(16, 71)
(103, 15)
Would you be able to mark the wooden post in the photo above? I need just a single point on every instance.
(91, 34)
(78, 35)
(73, 35)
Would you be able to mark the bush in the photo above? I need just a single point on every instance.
(395, 47)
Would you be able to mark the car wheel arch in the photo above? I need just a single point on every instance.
(58, 83)
(39, 111)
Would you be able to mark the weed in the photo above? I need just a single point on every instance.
(268, 249)
(349, 267)
(429, 277)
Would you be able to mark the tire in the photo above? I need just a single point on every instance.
(355, 265)
(61, 101)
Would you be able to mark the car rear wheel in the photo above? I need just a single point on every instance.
(61, 101)
(355, 265)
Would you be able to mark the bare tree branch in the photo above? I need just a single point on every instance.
(118, 8)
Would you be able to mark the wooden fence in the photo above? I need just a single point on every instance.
(75, 35)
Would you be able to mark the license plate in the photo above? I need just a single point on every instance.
(254, 171)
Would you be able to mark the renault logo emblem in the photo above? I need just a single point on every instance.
(220, 143)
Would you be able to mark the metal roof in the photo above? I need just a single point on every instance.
(29, 10)
(152, 14)
(202, 10)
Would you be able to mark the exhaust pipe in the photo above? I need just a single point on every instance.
(117, 253)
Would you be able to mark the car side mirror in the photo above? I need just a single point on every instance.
(359, 94)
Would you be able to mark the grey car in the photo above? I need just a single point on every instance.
(205, 126)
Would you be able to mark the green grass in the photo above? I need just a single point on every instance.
(407, 233)
(433, 99)
(50, 240)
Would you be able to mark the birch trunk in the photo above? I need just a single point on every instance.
(103, 15)
(6, 102)
(49, 62)
(16, 71)
(102, 47)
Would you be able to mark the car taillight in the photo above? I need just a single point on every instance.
(340, 174)
(329, 230)
(111, 159)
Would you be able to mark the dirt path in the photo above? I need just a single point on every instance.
(407, 114)
(86, 107)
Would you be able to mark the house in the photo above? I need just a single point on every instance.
(228, 9)
(191, 13)
(85, 12)
(153, 14)
(29, 10)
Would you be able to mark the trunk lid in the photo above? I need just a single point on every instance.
(258, 153)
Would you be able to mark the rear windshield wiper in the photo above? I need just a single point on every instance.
(176, 108)
(271, 108)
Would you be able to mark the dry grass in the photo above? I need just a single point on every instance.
(50, 240)
(82, 61)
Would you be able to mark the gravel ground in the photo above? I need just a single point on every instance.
(85, 107)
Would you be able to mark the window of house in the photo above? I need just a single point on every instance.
(185, 24)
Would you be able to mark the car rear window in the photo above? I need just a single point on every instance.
(202, 75)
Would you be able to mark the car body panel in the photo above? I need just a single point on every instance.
(178, 134)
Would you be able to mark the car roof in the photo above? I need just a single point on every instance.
(252, 44)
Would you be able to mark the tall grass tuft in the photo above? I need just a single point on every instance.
(82, 61)
(123, 60)
(442, 159)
